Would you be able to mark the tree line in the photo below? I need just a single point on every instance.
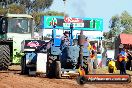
(119, 24)
(36, 8)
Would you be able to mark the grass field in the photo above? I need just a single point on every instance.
(104, 70)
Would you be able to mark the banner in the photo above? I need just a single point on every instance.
(86, 24)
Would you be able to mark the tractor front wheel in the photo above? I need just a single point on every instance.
(24, 68)
(58, 70)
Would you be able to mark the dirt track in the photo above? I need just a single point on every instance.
(13, 79)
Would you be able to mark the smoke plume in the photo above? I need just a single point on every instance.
(79, 7)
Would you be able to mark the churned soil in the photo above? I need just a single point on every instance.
(13, 79)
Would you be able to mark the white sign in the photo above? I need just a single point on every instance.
(74, 25)
(73, 20)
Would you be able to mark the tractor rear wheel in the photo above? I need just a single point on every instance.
(24, 68)
(4, 57)
(58, 69)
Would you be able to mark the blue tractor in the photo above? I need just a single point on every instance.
(70, 58)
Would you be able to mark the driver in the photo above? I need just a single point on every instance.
(18, 27)
(65, 39)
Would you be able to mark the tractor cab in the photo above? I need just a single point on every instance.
(14, 28)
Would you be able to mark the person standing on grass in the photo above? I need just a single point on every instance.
(93, 58)
(122, 61)
(87, 46)
(129, 56)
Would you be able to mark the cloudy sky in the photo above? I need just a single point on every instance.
(104, 9)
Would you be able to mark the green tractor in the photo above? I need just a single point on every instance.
(14, 28)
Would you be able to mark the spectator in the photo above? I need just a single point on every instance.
(87, 46)
(93, 58)
(128, 64)
(122, 61)
(86, 43)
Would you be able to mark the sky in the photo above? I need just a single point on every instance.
(104, 9)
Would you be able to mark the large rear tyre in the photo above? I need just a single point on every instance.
(4, 57)
(58, 70)
(24, 68)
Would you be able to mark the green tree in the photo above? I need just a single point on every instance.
(28, 5)
(114, 26)
(36, 5)
(14, 8)
(2, 11)
(126, 22)
(120, 24)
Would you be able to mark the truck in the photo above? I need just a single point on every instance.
(14, 28)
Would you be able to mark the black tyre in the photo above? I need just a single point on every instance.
(4, 57)
(24, 68)
(111, 70)
(50, 73)
(47, 70)
(58, 70)
(81, 80)
(50, 66)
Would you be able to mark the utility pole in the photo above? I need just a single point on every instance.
(64, 10)
(64, 7)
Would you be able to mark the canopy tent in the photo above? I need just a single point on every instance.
(126, 39)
